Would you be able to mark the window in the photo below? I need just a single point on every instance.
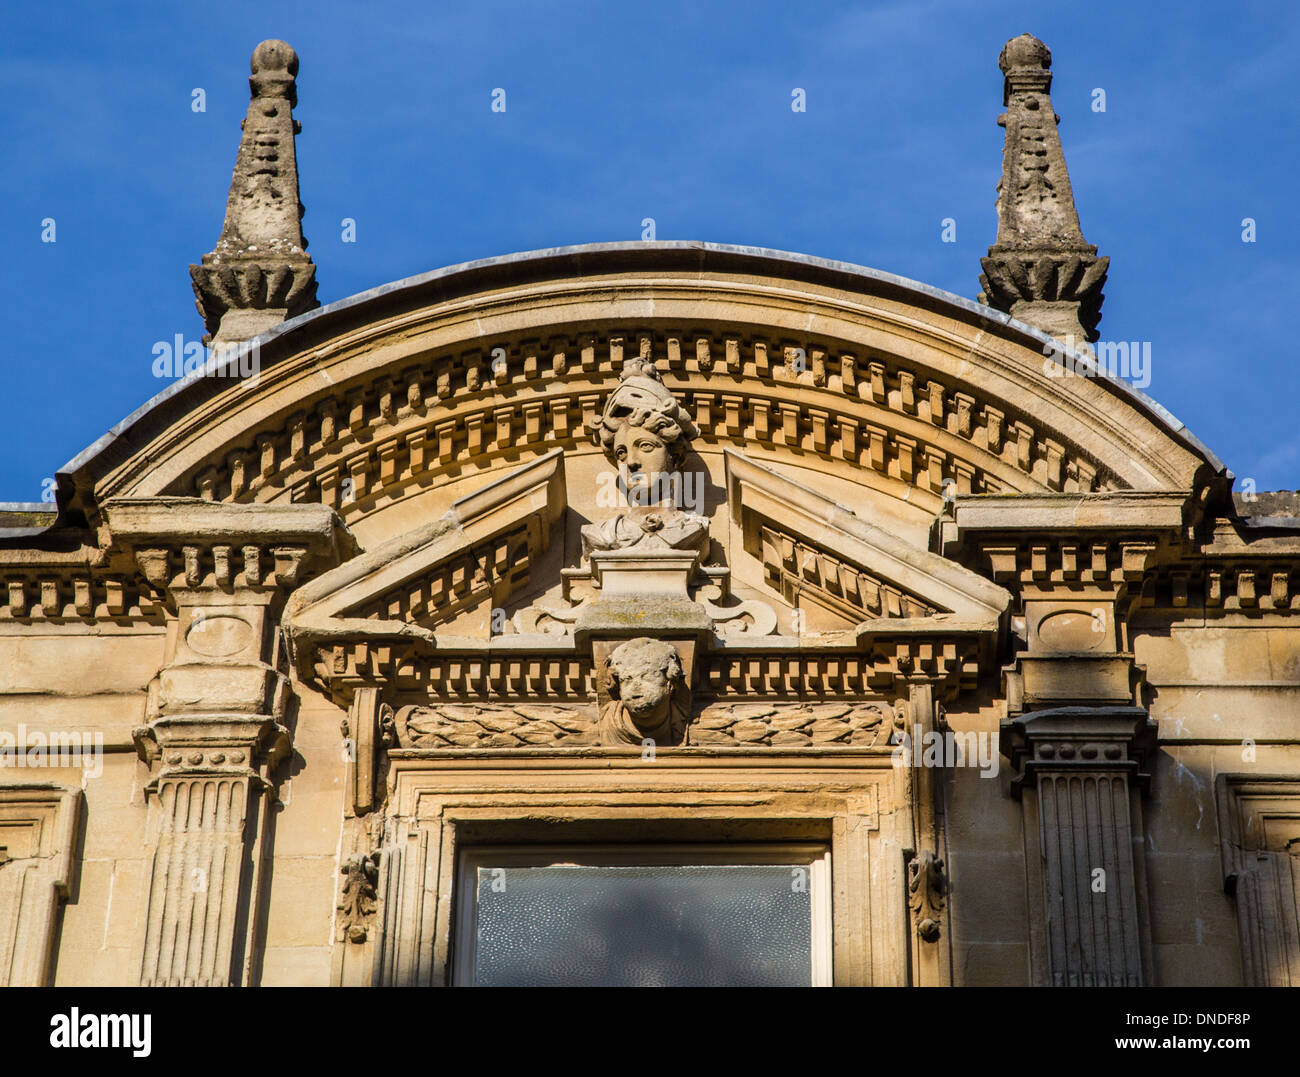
(705, 916)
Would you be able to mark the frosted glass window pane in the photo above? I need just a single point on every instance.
(699, 925)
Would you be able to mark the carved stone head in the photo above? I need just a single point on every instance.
(649, 696)
(643, 431)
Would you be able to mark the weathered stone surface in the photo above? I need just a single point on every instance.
(259, 274)
(649, 694)
(383, 598)
(1039, 270)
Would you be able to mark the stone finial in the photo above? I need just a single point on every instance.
(260, 273)
(1039, 270)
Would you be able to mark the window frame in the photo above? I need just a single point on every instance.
(817, 855)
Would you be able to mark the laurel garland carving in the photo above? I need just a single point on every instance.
(795, 725)
(495, 725)
(749, 725)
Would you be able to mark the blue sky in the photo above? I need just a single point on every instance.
(678, 111)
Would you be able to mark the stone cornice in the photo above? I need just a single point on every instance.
(1154, 546)
(187, 544)
(1145, 510)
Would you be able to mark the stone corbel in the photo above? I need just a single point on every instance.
(368, 729)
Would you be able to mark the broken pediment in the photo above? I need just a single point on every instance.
(634, 635)
(408, 613)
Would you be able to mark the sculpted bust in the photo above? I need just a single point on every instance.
(645, 434)
(649, 696)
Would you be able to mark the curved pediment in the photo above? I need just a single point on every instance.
(408, 397)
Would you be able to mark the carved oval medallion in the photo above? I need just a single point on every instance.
(1071, 630)
(220, 636)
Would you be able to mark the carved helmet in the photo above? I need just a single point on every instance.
(641, 399)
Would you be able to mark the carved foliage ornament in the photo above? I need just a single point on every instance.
(779, 724)
(494, 725)
(360, 893)
(927, 891)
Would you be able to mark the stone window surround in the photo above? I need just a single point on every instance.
(855, 803)
(45, 817)
(1259, 836)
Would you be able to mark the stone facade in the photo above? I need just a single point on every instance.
(647, 545)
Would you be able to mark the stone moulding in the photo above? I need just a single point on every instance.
(1259, 835)
(439, 806)
(391, 445)
(437, 359)
(39, 824)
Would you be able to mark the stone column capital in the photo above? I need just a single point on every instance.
(1099, 740)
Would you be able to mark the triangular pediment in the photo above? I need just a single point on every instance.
(483, 549)
(815, 549)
